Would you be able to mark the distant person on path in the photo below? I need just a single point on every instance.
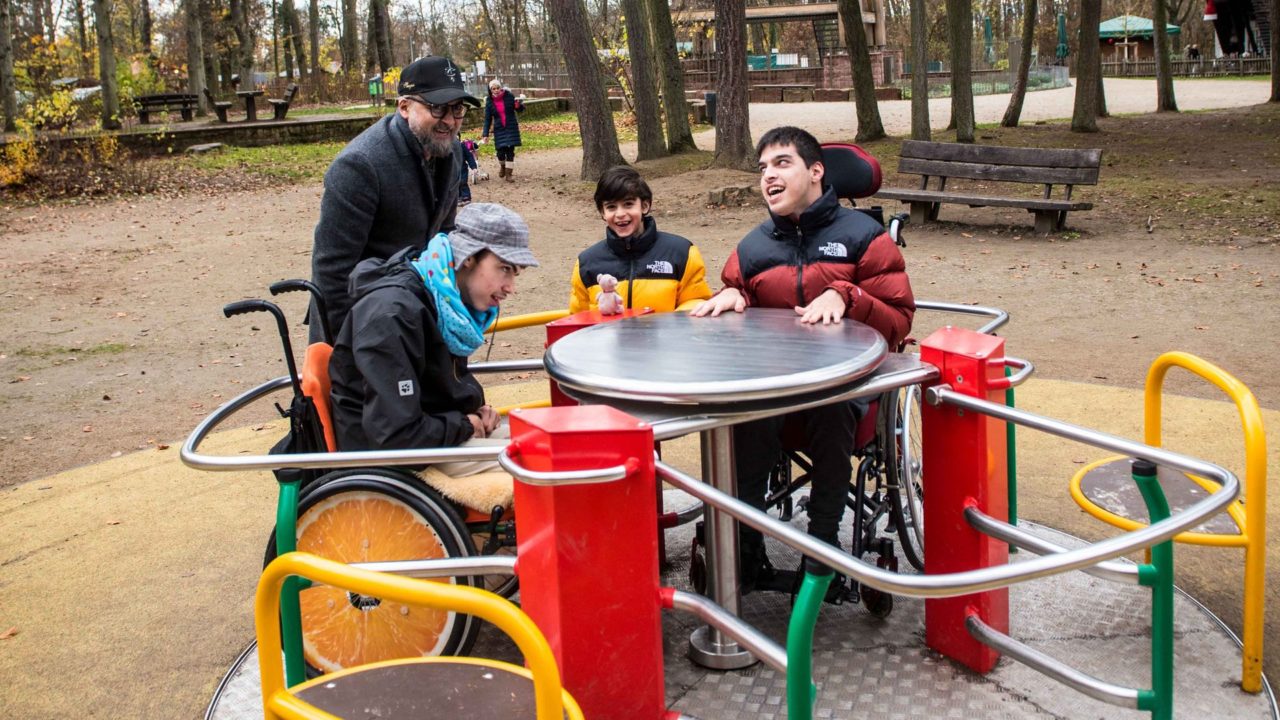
(500, 114)
(654, 269)
(468, 166)
(395, 185)
(828, 263)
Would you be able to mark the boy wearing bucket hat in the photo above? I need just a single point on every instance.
(394, 184)
(399, 367)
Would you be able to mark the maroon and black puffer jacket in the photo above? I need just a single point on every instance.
(783, 264)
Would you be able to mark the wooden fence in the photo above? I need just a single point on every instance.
(1204, 67)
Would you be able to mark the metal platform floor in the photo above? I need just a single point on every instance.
(871, 668)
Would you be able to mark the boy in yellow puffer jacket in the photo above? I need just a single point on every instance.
(654, 269)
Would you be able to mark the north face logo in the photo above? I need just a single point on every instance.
(834, 249)
(661, 267)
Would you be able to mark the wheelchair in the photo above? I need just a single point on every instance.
(370, 515)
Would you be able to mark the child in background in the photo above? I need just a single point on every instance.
(654, 269)
(464, 173)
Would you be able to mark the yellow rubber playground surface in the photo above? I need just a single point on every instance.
(126, 587)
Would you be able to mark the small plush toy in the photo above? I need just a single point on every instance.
(609, 301)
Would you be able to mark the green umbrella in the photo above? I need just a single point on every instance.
(1062, 52)
(989, 51)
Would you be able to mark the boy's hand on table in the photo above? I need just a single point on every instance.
(726, 299)
(827, 308)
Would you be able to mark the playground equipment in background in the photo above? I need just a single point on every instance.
(396, 688)
(1099, 489)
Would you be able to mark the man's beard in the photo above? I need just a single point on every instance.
(431, 144)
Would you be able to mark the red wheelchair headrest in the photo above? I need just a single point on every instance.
(852, 171)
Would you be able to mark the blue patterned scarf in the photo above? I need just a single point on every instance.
(461, 327)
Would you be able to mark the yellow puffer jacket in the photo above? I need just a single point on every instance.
(654, 269)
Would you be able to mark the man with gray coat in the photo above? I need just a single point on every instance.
(393, 186)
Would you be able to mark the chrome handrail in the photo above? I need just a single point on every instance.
(564, 477)
(327, 460)
(998, 317)
(990, 578)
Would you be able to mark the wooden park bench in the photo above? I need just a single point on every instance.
(164, 103)
(219, 106)
(989, 163)
(281, 105)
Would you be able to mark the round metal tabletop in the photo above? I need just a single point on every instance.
(674, 358)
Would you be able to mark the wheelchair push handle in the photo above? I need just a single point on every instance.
(242, 307)
(898, 221)
(317, 298)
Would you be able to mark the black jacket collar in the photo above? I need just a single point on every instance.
(638, 243)
(820, 214)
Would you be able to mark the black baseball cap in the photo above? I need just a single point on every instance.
(436, 80)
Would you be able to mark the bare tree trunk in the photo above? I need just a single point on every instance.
(1014, 111)
(243, 56)
(733, 116)
(37, 18)
(487, 18)
(1165, 100)
(82, 37)
(294, 28)
(1102, 88)
(195, 54)
(8, 87)
(644, 86)
(282, 21)
(146, 29)
(864, 84)
(670, 78)
(1088, 69)
(960, 37)
(595, 121)
(349, 43)
(50, 21)
(920, 129)
(380, 37)
(313, 18)
(214, 77)
(1275, 51)
(371, 40)
(107, 65)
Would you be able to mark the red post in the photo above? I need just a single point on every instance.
(572, 323)
(588, 557)
(964, 457)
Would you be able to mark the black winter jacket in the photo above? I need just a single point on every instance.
(394, 383)
(503, 135)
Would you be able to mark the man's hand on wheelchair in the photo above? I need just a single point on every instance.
(727, 299)
(827, 308)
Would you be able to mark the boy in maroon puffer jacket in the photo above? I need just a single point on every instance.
(828, 262)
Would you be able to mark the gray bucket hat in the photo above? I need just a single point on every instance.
(493, 227)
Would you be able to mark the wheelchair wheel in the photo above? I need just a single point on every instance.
(370, 516)
(905, 469)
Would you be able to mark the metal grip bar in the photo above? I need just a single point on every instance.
(1051, 666)
(445, 567)
(988, 578)
(1025, 368)
(497, 366)
(984, 523)
(998, 317)
(755, 642)
(507, 460)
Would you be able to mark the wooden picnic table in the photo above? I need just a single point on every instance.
(250, 103)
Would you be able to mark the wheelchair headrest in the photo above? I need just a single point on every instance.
(852, 171)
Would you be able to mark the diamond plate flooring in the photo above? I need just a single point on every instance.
(871, 668)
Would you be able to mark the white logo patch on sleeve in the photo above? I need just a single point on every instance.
(406, 388)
